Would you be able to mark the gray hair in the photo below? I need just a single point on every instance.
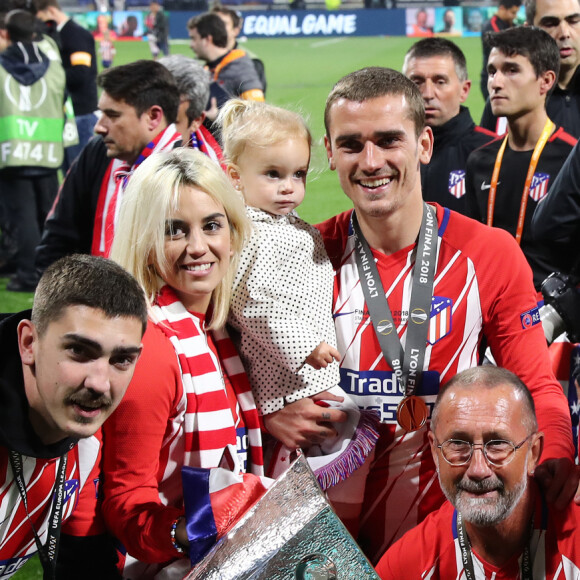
(192, 82)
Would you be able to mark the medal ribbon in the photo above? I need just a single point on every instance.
(467, 560)
(407, 366)
(546, 132)
(47, 552)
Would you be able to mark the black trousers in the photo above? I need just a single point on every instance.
(25, 203)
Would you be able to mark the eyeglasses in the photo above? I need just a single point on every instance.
(497, 452)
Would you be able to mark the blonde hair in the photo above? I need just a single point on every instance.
(151, 197)
(258, 124)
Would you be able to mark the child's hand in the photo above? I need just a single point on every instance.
(322, 356)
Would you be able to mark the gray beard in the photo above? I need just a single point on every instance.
(485, 511)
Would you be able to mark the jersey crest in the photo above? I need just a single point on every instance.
(539, 186)
(457, 183)
(439, 319)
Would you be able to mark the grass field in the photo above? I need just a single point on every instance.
(300, 72)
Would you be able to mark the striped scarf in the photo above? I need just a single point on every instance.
(113, 186)
(208, 424)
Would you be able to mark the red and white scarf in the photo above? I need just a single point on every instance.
(113, 186)
(209, 423)
(205, 142)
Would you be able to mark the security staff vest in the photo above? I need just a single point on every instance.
(32, 120)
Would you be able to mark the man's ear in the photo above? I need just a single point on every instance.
(155, 117)
(548, 79)
(27, 338)
(433, 449)
(536, 448)
(197, 123)
(328, 147)
(465, 88)
(425, 145)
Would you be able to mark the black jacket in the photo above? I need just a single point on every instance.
(69, 227)
(454, 141)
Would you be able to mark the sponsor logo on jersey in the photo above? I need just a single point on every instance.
(539, 186)
(530, 318)
(457, 183)
(381, 391)
(440, 318)
(10, 566)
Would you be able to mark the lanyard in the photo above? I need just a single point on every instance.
(546, 132)
(407, 365)
(47, 552)
(467, 560)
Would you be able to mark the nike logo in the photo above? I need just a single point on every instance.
(485, 186)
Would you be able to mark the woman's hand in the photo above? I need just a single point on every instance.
(305, 423)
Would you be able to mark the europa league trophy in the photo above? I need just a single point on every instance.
(290, 534)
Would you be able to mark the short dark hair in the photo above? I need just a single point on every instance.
(437, 46)
(489, 377)
(533, 43)
(233, 14)
(83, 280)
(20, 26)
(44, 4)
(373, 83)
(509, 3)
(142, 84)
(210, 24)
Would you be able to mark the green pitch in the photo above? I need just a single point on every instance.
(300, 73)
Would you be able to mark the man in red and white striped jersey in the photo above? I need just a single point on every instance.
(496, 524)
(64, 369)
(452, 286)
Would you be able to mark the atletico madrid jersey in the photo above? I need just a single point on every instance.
(432, 550)
(544, 257)
(483, 295)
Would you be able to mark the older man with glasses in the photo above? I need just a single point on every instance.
(496, 524)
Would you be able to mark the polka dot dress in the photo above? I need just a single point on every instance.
(282, 308)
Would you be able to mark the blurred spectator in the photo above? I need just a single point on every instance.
(234, 23)
(157, 30)
(77, 51)
(501, 20)
(193, 86)
(32, 117)
(420, 27)
(233, 72)
(107, 50)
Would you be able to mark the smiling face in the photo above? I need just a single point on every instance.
(561, 20)
(197, 248)
(374, 149)
(78, 370)
(124, 133)
(440, 87)
(483, 493)
(514, 88)
(273, 178)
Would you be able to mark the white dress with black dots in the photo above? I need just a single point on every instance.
(282, 308)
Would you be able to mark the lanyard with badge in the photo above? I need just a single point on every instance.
(546, 132)
(407, 364)
(47, 552)
(467, 560)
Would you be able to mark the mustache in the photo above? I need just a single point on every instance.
(490, 484)
(88, 399)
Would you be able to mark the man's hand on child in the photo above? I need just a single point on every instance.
(304, 423)
(322, 356)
